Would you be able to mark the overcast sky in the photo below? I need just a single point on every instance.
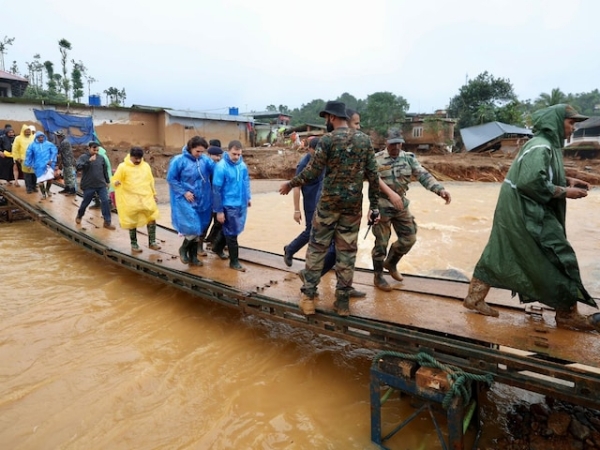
(210, 55)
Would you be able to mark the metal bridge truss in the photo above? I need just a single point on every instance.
(533, 372)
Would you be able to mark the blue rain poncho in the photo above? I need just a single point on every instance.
(231, 194)
(39, 154)
(187, 173)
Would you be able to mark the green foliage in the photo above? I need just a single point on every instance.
(382, 110)
(587, 103)
(308, 113)
(555, 97)
(34, 93)
(49, 66)
(115, 97)
(480, 100)
(77, 79)
(64, 45)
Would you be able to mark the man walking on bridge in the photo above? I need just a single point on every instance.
(528, 252)
(348, 158)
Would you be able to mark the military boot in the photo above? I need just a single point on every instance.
(378, 279)
(193, 254)
(342, 303)
(475, 299)
(234, 251)
(390, 265)
(135, 248)
(152, 242)
(183, 251)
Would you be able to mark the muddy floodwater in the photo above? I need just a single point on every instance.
(95, 357)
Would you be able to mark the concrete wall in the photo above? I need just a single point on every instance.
(178, 130)
(124, 128)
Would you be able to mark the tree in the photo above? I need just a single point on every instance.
(77, 79)
(64, 45)
(49, 66)
(555, 97)
(272, 108)
(90, 80)
(382, 110)
(480, 100)
(587, 103)
(308, 113)
(3, 45)
(123, 96)
(114, 96)
(14, 68)
(349, 100)
(283, 109)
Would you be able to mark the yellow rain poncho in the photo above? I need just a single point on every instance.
(19, 148)
(135, 195)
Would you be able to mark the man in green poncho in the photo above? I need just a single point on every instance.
(528, 251)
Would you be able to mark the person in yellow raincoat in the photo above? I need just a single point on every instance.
(136, 198)
(19, 152)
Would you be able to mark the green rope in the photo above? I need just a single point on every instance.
(458, 378)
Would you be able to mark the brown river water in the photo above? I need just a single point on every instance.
(94, 357)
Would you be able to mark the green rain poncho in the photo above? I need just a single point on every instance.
(528, 251)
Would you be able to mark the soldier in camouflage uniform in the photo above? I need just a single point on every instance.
(395, 170)
(348, 158)
(65, 151)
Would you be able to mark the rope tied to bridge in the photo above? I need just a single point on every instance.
(460, 381)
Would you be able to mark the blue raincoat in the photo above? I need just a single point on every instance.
(231, 194)
(39, 154)
(187, 173)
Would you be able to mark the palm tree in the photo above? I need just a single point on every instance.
(555, 97)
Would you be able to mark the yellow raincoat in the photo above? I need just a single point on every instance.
(135, 195)
(19, 148)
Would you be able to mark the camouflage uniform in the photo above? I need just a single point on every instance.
(348, 159)
(68, 163)
(396, 173)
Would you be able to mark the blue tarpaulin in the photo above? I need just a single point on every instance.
(78, 130)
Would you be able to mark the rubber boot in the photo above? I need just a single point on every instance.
(183, 251)
(193, 254)
(571, 319)
(378, 279)
(219, 245)
(475, 299)
(234, 251)
(135, 248)
(390, 265)
(152, 243)
(342, 304)
(201, 251)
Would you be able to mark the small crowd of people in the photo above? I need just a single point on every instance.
(527, 252)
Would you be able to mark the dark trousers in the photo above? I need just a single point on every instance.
(303, 238)
(88, 195)
(30, 182)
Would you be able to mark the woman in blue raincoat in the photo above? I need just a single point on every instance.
(190, 196)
